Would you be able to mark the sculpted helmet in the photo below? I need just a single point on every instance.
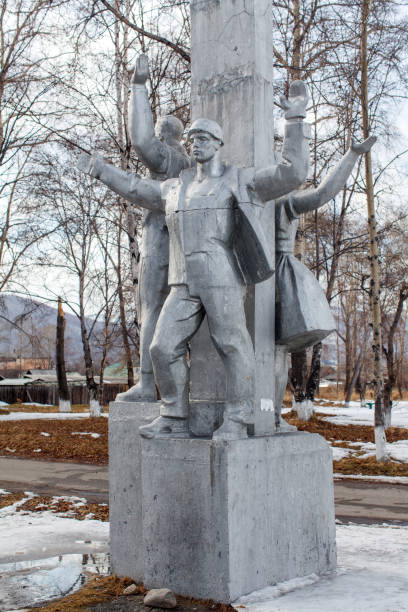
(206, 125)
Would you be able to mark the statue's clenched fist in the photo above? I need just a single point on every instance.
(141, 72)
(90, 164)
(295, 104)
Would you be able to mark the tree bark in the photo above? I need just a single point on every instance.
(92, 385)
(63, 390)
(378, 382)
(391, 374)
(312, 385)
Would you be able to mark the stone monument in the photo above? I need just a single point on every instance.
(220, 516)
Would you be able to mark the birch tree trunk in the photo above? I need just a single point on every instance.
(121, 83)
(378, 381)
(391, 373)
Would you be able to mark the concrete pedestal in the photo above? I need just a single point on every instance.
(222, 519)
(125, 485)
(217, 519)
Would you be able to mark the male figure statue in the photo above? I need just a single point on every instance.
(216, 246)
(162, 153)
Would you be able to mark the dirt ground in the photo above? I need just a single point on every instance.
(104, 594)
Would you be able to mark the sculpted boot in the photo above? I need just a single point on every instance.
(144, 390)
(165, 427)
(237, 415)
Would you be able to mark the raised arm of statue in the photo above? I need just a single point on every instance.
(152, 152)
(290, 173)
(310, 199)
(143, 192)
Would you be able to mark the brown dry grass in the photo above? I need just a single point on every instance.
(369, 466)
(343, 434)
(348, 433)
(8, 499)
(57, 505)
(39, 503)
(24, 437)
(103, 589)
(19, 407)
(98, 590)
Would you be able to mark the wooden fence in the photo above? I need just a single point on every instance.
(48, 394)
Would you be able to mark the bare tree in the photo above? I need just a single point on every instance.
(63, 390)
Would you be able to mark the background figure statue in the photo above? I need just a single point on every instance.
(162, 153)
(303, 315)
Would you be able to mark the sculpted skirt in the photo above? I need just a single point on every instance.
(303, 316)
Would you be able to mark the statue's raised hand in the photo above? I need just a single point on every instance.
(295, 104)
(363, 147)
(90, 164)
(141, 72)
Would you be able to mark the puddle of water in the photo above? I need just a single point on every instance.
(26, 583)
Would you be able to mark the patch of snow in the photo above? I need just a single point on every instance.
(10, 450)
(365, 416)
(279, 589)
(372, 574)
(37, 450)
(37, 535)
(86, 433)
(387, 479)
(339, 452)
(44, 433)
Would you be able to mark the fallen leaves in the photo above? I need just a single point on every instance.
(56, 439)
(67, 507)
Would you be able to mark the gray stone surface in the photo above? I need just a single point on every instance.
(125, 486)
(232, 83)
(223, 518)
(160, 598)
(217, 246)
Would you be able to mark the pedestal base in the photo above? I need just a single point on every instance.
(217, 519)
(125, 485)
(222, 519)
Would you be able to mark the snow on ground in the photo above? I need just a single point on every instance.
(363, 416)
(35, 535)
(355, 415)
(389, 479)
(372, 575)
(42, 554)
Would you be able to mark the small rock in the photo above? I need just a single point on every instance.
(160, 598)
(131, 590)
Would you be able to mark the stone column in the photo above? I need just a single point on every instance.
(232, 83)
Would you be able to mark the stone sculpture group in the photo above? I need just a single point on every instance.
(203, 243)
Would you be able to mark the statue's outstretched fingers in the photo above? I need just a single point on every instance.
(363, 147)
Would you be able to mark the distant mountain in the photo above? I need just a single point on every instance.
(27, 329)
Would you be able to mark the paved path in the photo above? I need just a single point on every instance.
(55, 478)
(371, 501)
(355, 500)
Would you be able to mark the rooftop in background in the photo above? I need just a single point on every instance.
(118, 372)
